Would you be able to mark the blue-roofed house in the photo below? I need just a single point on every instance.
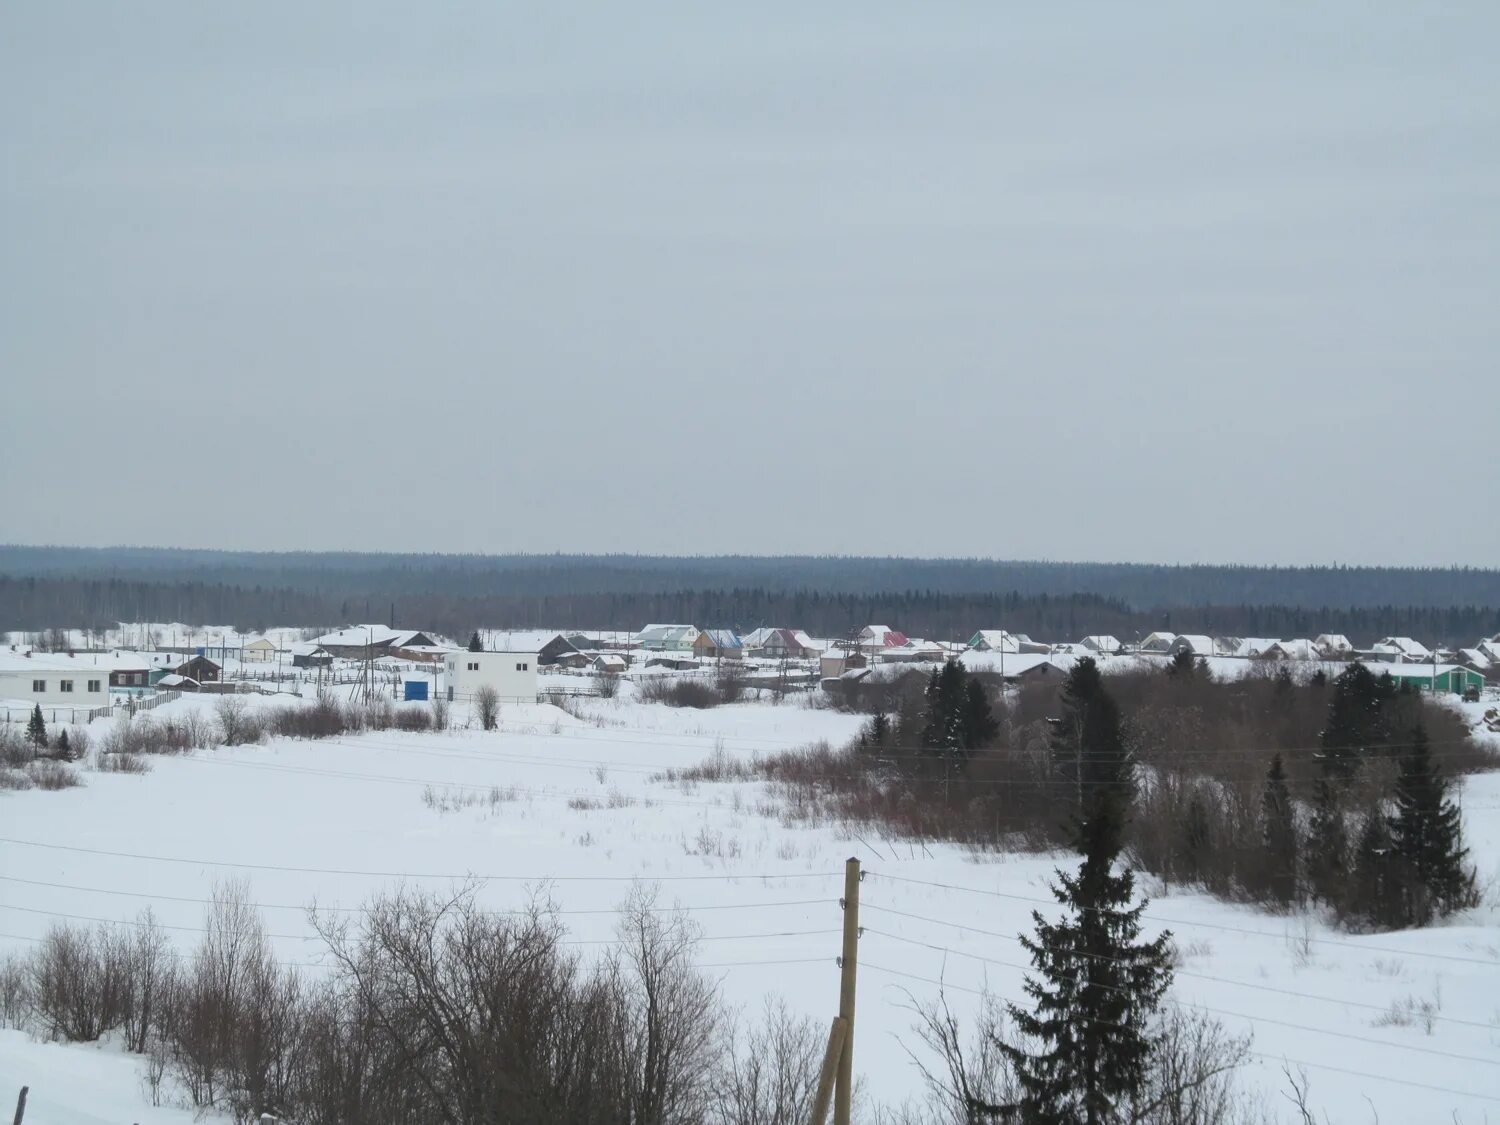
(718, 644)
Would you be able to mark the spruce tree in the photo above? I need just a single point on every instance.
(1279, 835)
(1087, 743)
(943, 731)
(1427, 834)
(1182, 666)
(1097, 984)
(1357, 720)
(36, 729)
(977, 721)
(1328, 843)
(63, 746)
(475, 644)
(1375, 877)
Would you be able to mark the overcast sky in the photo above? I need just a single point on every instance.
(1168, 282)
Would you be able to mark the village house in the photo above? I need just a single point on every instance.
(1159, 642)
(1101, 643)
(836, 661)
(872, 638)
(788, 644)
(512, 675)
(998, 640)
(310, 655)
(359, 641)
(53, 679)
(261, 650)
(1333, 646)
(200, 669)
(718, 644)
(667, 638)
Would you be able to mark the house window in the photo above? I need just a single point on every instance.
(93, 685)
(65, 685)
(521, 667)
(474, 666)
(450, 695)
(38, 685)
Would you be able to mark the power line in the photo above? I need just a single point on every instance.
(1201, 1007)
(427, 875)
(1188, 922)
(1252, 985)
(368, 910)
(1273, 1058)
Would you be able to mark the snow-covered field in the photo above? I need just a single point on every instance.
(575, 809)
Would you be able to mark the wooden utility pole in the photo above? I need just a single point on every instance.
(843, 1094)
(829, 1071)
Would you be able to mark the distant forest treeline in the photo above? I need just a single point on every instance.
(43, 587)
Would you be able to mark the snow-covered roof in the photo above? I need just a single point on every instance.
(1404, 645)
(382, 635)
(524, 640)
(172, 679)
(757, 637)
(79, 663)
(998, 640)
(805, 641)
(1475, 657)
(1101, 642)
(1195, 642)
(609, 660)
(1161, 639)
(1333, 642)
(721, 638)
(666, 633)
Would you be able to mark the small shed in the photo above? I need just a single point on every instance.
(200, 669)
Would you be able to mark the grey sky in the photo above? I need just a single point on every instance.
(1203, 282)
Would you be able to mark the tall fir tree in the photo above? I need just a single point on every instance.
(1376, 876)
(1328, 842)
(475, 644)
(1088, 746)
(64, 746)
(1279, 835)
(977, 720)
(36, 728)
(1097, 984)
(1358, 720)
(1183, 666)
(943, 731)
(1427, 834)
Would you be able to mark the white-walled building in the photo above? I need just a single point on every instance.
(511, 674)
(54, 679)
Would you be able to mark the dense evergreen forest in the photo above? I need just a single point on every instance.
(45, 586)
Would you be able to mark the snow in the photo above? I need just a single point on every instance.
(79, 1085)
(582, 809)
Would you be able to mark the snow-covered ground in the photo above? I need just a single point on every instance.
(575, 808)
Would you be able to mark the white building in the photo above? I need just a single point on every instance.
(54, 679)
(511, 674)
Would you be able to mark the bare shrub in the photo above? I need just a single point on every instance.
(413, 719)
(671, 1012)
(15, 779)
(121, 763)
(441, 714)
(323, 718)
(238, 725)
(1189, 1081)
(15, 750)
(768, 1075)
(487, 706)
(676, 692)
(53, 775)
(606, 685)
(15, 992)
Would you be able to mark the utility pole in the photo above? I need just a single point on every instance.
(843, 1094)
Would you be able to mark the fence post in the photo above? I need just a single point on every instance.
(21, 1105)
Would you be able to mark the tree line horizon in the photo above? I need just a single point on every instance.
(42, 587)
